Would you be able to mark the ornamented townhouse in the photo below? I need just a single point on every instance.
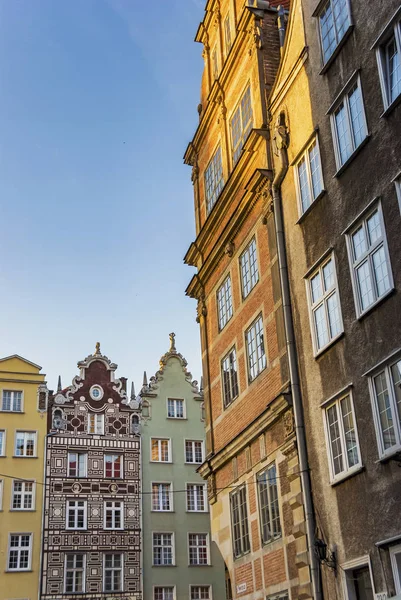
(92, 529)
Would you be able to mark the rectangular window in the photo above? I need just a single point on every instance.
(334, 21)
(23, 495)
(369, 260)
(77, 462)
(389, 61)
(239, 521)
(163, 549)
(162, 497)
(268, 505)
(348, 123)
(249, 268)
(342, 436)
(113, 573)
(358, 582)
(198, 548)
(385, 388)
(224, 303)
(19, 552)
(214, 181)
(12, 401)
(74, 578)
(76, 514)
(96, 424)
(309, 176)
(113, 466)
(324, 305)
(163, 593)
(113, 514)
(196, 497)
(227, 34)
(25, 443)
(241, 124)
(175, 408)
(161, 450)
(256, 349)
(229, 377)
(200, 592)
(2, 442)
(194, 451)
(395, 557)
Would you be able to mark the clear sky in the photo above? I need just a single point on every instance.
(98, 101)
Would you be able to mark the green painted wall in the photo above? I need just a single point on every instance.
(171, 383)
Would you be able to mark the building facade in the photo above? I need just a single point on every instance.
(23, 426)
(252, 464)
(92, 521)
(181, 562)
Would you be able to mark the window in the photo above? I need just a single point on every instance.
(239, 520)
(161, 451)
(19, 552)
(95, 424)
(113, 573)
(389, 61)
(196, 497)
(229, 377)
(12, 401)
(385, 386)
(358, 582)
(241, 123)
(194, 451)
(200, 592)
(113, 514)
(342, 436)
(324, 305)
(395, 557)
(249, 268)
(214, 181)
(369, 260)
(309, 176)
(74, 578)
(348, 123)
(268, 505)
(162, 497)
(227, 34)
(2, 442)
(224, 303)
(163, 549)
(113, 466)
(25, 443)
(198, 547)
(76, 514)
(1, 493)
(334, 20)
(255, 348)
(163, 593)
(23, 495)
(175, 408)
(77, 464)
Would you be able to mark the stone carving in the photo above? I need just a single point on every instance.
(288, 420)
(201, 308)
(229, 249)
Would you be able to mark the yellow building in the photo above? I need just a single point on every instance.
(23, 425)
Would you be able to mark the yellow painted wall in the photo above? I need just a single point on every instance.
(19, 374)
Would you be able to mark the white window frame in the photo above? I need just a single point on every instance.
(160, 443)
(23, 493)
(196, 547)
(347, 469)
(259, 369)
(224, 299)
(213, 174)
(253, 270)
(175, 400)
(347, 580)
(232, 377)
(98, 423)
(193, 442)
(35, 443)
(160, 502)
(244, 131)
(2, 442)
(305, 157)
(12, 400)
(113, 475)
(113, 569)
(196, 485)
(391, 31)
(75, 510)
(322, 301)
(343, 98)
(172, 546)
(393, 551)
(201, 585)
(265, 472)
(114, 510)
(75, 570)
(367, 257)
(19, 549)
(397, 183)
(164, 587)
(338, 40)
(78, 455)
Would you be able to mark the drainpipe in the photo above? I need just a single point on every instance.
(294, 375)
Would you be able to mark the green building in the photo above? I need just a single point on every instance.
(180, 561)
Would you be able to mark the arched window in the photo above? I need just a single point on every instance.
(58, 418)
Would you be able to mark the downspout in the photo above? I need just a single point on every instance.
(293, 363)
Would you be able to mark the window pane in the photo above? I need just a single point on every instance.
(393, 70)
(349, 432)
(316, 170)
(316, 287)
(343, 133)
(359, 242)
(365, 285)
(384, 408)
(335, 440)
(224, 301)
(334, 315)
(381, 271)
(357, 116)
(322, 334)
(341, 17)
(304, 185)
(328, 275)
(396, 375)
(214, 180)
(374, 228)
(327, 32)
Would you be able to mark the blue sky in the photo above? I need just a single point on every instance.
(98, 101)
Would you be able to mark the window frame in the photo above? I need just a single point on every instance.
(247, 331)
(19, 548)
(1, 493)
(305, 156)
(391, 31)
(3, 433)
(121, 462)
(272, 538)
(172, 546)
(207, 546)
(23, 494)
(160, 450)
(246, 250)
(193, 442)
(164, 587)
(75, 569)
(121, 554)
(214, 167)
(397, 184)
(170, 496)
(196, 485)
(321, 8)
(393, 551)
(11, 409)
(95, 416)
(184, 414)
(78, 454)
(231, 374)
(35, 443)
(114, 511)
(76, 511)
(244, 535)
(237, 150)
(224, 293)
(201, 585)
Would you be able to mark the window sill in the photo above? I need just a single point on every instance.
(15, 456)
(310, 207)
(23, 510)
(165, 566)
(271, 542)
(392, 454)
(354, 471)
(162, 511)
(197, 512)
(196, 464)
(391, 107)
(12, 412)
(336, 51)
(353, 155)
(161, 462)
(375, 304)
(18, 571)
(177, 418)
(197, 566)
(329, 345)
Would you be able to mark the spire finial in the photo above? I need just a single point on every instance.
(172, 342)
(145, 379)
(97, 349)
(132, 391)
(59, 388)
